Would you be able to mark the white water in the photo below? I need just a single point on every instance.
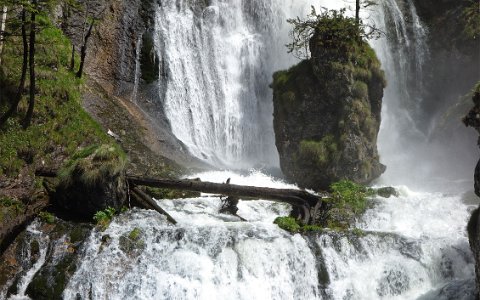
(216, 66)
(35, 234)
(414, 244)
(138, 52)
(215, 69)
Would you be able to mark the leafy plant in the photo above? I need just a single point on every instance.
(104, 217)
(46, 217)
(329, 28)
(291, 225)
(348, 194)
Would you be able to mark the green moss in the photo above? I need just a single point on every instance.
(358, 232)
(291, 225)
(362, 74)
(93, 164)
(347, 194)
(10, 208)
(135, 234)
(288, 224)
(131, 243)
(46, 217)
(321, 152)
(360, 89)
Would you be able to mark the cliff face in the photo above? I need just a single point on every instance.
(451, 66)
(122, 70)
(472, 119)
(327, 116)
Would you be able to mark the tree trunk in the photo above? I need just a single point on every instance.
(21, 85)
(3, 22)
(31, 102)
(306, 204)
(152, 204)
(72, 59)
(83, 52)
(357, 11)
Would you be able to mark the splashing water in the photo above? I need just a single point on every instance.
(216, 64)
(412, 245)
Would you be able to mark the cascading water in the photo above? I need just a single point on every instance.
(138, 48)
(216, 64)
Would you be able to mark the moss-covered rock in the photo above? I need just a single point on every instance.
(132, 243)
(92, 180)
(327, 114)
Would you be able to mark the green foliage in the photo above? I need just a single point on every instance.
(471, 17)
(104, 217)
(346, 193)
(327, 29)
(46, 217)
(291, 225)
(288, 224)
(135, 234)
(60, 126)
(321, 152)
(360, 89)
(10, 208)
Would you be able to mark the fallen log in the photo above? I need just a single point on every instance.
(307, 208)
(306, 205)
(146, 198)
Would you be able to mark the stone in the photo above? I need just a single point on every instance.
(327, 117)
(387, 192)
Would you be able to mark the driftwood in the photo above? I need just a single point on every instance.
(142, 196)
(307, 206)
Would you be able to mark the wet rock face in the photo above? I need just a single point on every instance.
(112, 49)
(327, 117)
(472, 119)
(55, 246)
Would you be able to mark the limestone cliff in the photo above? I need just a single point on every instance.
(327, 116)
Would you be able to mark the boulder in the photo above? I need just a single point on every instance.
(327, 116)
(92, 181)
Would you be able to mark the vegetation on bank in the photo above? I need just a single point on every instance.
(347, 201)
(59, 125)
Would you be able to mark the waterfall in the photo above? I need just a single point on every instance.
(412, 246)
(138, 51)
(217, 63)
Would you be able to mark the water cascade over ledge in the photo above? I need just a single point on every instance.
(216, 64)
